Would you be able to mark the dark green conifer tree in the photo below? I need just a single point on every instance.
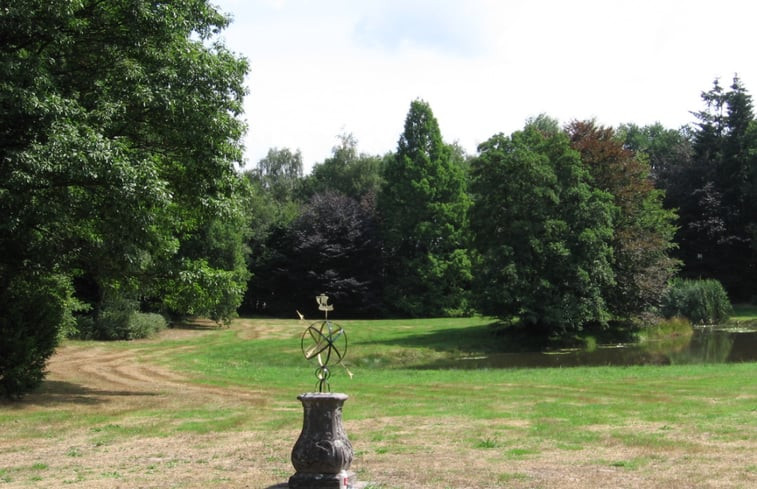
(423, 207)
(718, 214)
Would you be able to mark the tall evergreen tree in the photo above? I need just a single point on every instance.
(423, 210)
(718, 233)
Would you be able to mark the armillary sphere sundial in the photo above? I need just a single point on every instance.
(326, 342)
(322, 454)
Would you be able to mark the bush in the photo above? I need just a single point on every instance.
(118, 319)
(701, 301)
(145, 324)
(34, 308)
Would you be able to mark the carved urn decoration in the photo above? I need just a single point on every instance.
(322, 454)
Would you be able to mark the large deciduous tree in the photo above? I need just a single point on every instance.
(335, 250)
(643, 229)
(280, 174)
(348, 171)
(542, 233)
(276, 202)
(118, 137)
(668, 152)
(423, 211)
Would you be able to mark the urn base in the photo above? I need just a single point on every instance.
(343, 480)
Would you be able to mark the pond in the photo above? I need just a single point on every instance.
(708, 344)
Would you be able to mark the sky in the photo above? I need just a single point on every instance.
(322, 68)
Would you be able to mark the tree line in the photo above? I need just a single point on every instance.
(119, 133)
(120, 194)
(559, 227)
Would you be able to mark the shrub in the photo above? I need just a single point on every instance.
(667, 328)
(701, 301)
(33, 309)
(146, 324)
(118, 319)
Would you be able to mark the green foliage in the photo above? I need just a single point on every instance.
(666, 328)
(145, 325)
(118, 319)
(667, 151)
(542, 233)
(423, 217)
(113, 318)
(717, 193)
(118, 137)
(200, 289)
(701, 301)
(35, 307)
(334, 249)
(546, 125)
(347, 171)
(643, 229)
(271, 215)
(212, 264)
(280, 173)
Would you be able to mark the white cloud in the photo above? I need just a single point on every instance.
(454, 28)
(320, 68)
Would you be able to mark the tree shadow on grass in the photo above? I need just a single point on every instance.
(489, 338)
(285, 485)
(196, 325)
(54, 392)
(497, 345)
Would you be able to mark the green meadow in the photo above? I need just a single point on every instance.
(215, 385)
(389, 361)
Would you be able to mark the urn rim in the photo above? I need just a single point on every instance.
(323, 395)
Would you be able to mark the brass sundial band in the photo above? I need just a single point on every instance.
(326, 340)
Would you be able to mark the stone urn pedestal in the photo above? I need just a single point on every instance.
(322, 454)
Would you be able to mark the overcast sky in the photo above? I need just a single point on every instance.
(320, 68)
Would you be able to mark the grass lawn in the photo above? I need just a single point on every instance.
(201, 407)
(744, 312)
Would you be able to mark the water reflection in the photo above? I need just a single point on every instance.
(706, 345)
